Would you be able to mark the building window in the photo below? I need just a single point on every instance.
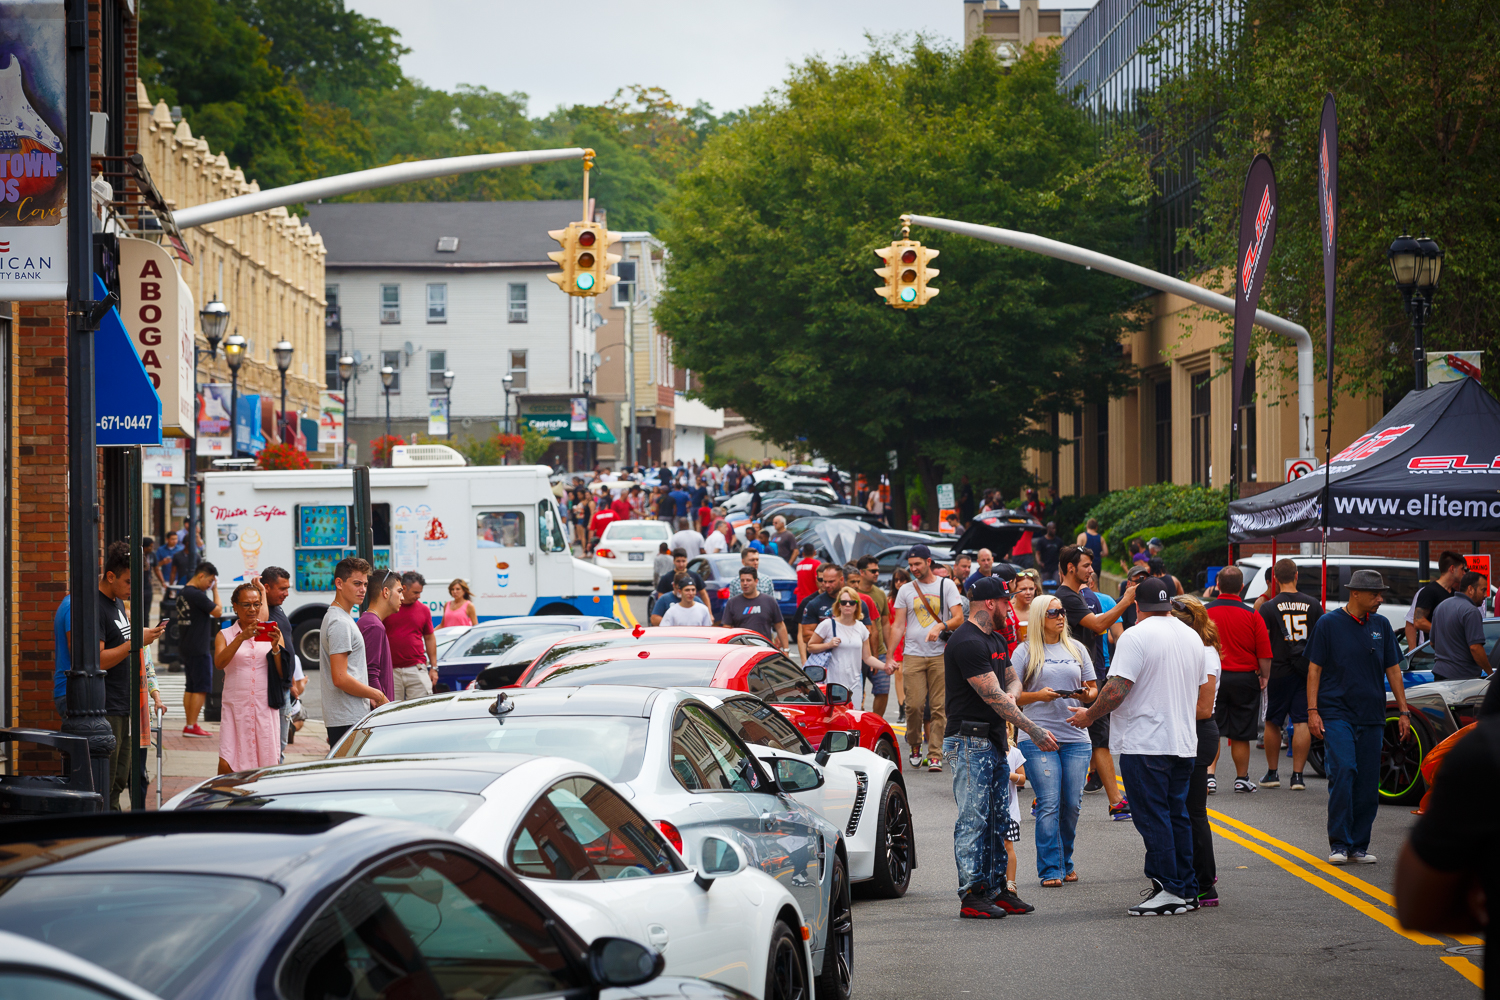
(437, 303)
(437, 363)
(1248, 472)
(1164, 431)
(625, 290)
(447, 244)
(391, 359)
(331, 295)
(1101, 446)
(1202, 399)
(331, 370)
(518, 366)
(390, 303)
(517, 312)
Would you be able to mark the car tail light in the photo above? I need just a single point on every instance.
(723, 593)
(673, 835)
(604, 553)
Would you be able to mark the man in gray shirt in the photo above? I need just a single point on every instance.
(1458, 632)
(347, 694)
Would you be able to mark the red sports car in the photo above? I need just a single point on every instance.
(758, 669)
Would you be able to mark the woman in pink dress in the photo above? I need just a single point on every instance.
(249, 728)
(460, 610)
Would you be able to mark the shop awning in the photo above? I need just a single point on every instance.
(127, 410)
(557, 426)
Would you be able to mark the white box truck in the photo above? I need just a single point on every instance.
(497, 528)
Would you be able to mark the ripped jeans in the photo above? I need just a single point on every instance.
(981, 787)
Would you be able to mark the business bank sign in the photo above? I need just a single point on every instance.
(33, 165)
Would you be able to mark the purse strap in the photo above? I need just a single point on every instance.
(927, 601)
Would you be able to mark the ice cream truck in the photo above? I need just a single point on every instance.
(497, 528)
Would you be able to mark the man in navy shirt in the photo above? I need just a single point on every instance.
(1350, 651)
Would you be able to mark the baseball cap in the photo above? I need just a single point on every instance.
(1138, 570)
(989, 588)
(1155, 543)
(1151, 594)
(919, 551)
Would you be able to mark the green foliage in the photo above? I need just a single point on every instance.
(1187, 560)
(1170, 534)
(1416, 89)
(772, 235)
(534, 445)
(479, 450)
(1124, 512)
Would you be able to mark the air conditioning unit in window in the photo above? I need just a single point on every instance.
(412, 456)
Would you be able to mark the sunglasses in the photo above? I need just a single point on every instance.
(848, 604)
(1054, 612)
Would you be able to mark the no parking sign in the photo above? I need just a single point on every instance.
(1296, 468)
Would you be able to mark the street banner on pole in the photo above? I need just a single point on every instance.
(437, 416)
(33, 177)
(213, 420)
(1257, 237)
(578, 415)
(1328, 215)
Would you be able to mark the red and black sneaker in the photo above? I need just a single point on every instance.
(1011, 903)
(979, 908)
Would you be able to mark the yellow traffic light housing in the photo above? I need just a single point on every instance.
(584, 258)
(906, 274)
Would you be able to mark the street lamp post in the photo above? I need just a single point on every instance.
(507, 380)
(1416, 264)
(234, 354)
(346, 372)
(588, 406)
(387, 378)
(283, 362)
(448, 377)
(214, 318)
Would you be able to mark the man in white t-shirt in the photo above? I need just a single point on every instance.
(687, 611)
(1152, 698)
(688, 539)
(931, 605)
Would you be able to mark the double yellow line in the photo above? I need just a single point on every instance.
(622, 607)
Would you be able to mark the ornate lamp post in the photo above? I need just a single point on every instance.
(1416, 264)
(346, 372)
(507, 380)
(448, 377)
(588, 395)
(234, 355)
(283, 353)
(214, 318)
(387, 379)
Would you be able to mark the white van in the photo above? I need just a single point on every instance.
(495, 527)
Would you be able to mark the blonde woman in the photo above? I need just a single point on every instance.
(1028, 586)
(460, 610)
(1057, 674)
(1192, 611)
(848, 641)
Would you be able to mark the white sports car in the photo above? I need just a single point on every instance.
(577, 842)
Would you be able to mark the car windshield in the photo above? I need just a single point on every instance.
(612, 744)
(184, 921)
(595, 641)
(651, 672)
(637, 531)
(445, 810)
(494, 641)
(777, 568)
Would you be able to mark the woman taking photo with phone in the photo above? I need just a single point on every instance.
(1057, 675)
(250, 710)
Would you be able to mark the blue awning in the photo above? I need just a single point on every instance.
(127, 410)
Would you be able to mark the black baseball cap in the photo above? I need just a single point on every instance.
(1153, 594)
(989, 588)
(919, 551)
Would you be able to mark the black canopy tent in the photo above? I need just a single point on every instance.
(996, 530)
(1430, 469)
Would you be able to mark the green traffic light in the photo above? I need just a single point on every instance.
(908, 294)
(585, 282)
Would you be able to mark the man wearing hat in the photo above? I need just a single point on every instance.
(1152, 699)
(925, 608)
(1352, 653)
(981, 685)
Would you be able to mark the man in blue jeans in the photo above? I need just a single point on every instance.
(1352, 653)
(981, 686)
(1152, 698)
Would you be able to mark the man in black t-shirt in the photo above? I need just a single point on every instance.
(1289, 618)
(753, 610)
(679, 567)
(1451, 568)
(980, 688)
(115, 661)
(198, 612)
(1046, 550)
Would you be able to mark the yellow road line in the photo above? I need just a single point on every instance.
(622, 607)
(1465, 968)
(1374, 892)
(1377, 915)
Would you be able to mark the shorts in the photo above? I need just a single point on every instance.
(1012, 827)
(199, 671)
(1238, 711)
(880, 681)
(1286, 696)
(1099, 732)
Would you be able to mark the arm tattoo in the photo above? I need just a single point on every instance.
(1011, 681)
(1109, 699)
(987, 686)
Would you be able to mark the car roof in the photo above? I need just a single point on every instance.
(674, 651)
(594, 699)
(503, 623)
(460, 773)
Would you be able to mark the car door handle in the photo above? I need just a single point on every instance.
(658, 936)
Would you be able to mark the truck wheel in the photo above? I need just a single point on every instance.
(308, 640)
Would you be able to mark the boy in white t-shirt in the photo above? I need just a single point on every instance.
(687, 611)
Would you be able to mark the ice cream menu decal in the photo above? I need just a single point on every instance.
(33, 183)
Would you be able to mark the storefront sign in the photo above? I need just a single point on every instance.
(166, 463)
(158, 310)
(33, 177)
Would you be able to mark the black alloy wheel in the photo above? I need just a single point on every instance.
(893, 847)
(886, 748)
(1316, 761)
(1401, 781)
(786, 978)
(837, 978)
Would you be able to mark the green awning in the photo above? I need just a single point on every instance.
(557, 426)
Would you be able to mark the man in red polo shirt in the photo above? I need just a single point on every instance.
(1246, 659)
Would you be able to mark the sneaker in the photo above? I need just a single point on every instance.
(1338, 858)
(1297, 784)
(1011, 903)
(1209, 898)
(801, 880)
(197, 731)
(916, 759)
(1213, 784)
(1120, 810)
(1362, 858)
(979, 908)
(935, 765)
(1158, 903)
(1093, 784)
(1271, 780)
(1244, 785)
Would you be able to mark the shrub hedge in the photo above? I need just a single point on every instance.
(1125, 512)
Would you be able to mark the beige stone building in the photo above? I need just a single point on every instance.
(1012, 29)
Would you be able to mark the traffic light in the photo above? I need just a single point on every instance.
(906, 274)
(584, 258)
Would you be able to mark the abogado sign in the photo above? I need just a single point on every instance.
(158, 310)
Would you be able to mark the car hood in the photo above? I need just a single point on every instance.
(845, 539)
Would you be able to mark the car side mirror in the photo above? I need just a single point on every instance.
(838, 695)
(719, 858)
(835, 742)
(794, 775)
(621, 962)
(815, 673)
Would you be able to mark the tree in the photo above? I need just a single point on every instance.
(1417, 89)
(772, 236)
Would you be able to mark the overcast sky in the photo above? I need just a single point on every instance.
(728, 54)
